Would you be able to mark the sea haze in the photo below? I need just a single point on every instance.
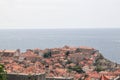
(107, 41)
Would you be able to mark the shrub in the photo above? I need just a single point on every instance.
(77, 69)
(99, 68)
(68, 62)
(78, 50)
(2, 73)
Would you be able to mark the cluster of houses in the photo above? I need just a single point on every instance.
(76, 63)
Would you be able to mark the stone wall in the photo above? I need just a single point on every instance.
(14, 76)
(59, 78)
(25, 77)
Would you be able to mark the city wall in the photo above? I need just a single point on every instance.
(14, 76)
(25, 77)
(59, 78)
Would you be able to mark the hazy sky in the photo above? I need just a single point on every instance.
(59, 13)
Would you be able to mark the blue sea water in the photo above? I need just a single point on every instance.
(107, 41)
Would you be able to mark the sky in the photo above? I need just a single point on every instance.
(59, 14)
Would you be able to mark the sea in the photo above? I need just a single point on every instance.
(107, 41)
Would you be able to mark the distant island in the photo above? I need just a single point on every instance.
(66, 63)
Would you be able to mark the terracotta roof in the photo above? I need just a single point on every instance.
(88, 78)
(77, 76)
(8, 51)
(94, 74)
(117, 72)
(85, 47)
(29, 54)
(62, 71)
(103, 77)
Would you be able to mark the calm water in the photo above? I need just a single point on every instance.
(105, 40)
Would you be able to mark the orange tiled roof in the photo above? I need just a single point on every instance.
(29, 54)
(88, 78)
(85, 47)
(8, 51)
(103, 77)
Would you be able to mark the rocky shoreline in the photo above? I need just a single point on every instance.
(76, 62)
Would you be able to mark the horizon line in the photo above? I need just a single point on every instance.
(59, 28)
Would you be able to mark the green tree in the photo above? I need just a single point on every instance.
(2, 73)
(67, 53)
(47, 54)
